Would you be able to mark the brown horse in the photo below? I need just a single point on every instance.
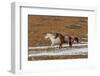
(58, 38)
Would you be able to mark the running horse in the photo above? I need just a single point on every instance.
(60, 39)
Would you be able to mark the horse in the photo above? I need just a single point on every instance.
(60, 39)
(56, 38)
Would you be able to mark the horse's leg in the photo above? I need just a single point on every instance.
(60, 46)
(52, 44)
(70, 44)
(71, 40)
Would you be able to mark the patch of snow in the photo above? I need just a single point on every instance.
(63, 51)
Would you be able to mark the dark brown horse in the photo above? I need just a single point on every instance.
(58, 38)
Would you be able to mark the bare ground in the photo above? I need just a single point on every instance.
(46, 57)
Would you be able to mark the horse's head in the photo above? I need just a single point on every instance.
(48, 35)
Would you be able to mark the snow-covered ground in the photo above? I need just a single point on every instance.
(64, 45)
(63, 51)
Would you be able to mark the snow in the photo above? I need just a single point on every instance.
(63, 51)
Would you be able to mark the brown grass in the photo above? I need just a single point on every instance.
(38, 25)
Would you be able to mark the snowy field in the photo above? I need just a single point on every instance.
(64, 51)
(77, 49)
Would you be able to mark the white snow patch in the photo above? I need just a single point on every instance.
(63, 51)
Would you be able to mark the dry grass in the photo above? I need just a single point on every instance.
(38, 25)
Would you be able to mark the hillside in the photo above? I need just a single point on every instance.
(38, 25)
